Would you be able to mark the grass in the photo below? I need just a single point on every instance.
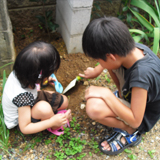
(4, 132)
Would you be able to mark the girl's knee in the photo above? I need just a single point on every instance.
(42, 109)
(65, 102)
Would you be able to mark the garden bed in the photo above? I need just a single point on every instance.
(83, 136)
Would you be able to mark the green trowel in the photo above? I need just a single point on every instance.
(72, 84)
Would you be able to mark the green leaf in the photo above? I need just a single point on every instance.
(143, 20)
(41, 18)
(156, 40)
(125, 8)
(97, 6)
(132, 157)
(158, 8)
(6, 65)
(4, 78)
(49, 14)
(141, 4)
(128, 151)
(142, 35)
(129, 17)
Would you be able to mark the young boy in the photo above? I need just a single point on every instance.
(136, 72)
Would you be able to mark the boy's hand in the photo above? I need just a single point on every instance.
(88, 73)
(58, 120)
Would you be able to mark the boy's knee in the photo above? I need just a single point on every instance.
(92, 108)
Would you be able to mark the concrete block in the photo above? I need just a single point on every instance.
(75, 19)
(73, 16)
(73, 42)
(7, 52)
(81, 3)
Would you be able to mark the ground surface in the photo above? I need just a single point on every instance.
(44, 145)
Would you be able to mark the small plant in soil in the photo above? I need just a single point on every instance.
(151, 152)
(46, 19)
(72, 146)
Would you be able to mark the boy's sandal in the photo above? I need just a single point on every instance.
(131, 140)
(56, 131)
(116, 93)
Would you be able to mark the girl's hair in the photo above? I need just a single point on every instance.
(107, 35)
(38, 57)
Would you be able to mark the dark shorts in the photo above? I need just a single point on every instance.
(54, 99)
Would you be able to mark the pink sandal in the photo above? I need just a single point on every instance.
(56, 131)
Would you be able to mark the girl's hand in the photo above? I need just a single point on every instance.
(88, 73)
(58, 120)
(51, 80)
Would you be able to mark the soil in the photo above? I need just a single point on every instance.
(71, 66)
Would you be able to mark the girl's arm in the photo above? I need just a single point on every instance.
(134, 115)
(92, 72)
(27, 127)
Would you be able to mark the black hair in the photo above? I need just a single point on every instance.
(34, 58)
(107, 35)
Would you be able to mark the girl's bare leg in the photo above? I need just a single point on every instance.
(64, 106)
(42, 110)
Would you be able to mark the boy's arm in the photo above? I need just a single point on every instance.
(92, 72)
(27, 127)
(116, 81)
(134, 115)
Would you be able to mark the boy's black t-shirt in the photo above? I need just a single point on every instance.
(145, 73)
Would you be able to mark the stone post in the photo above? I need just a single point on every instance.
(7, 50)
(73, 16)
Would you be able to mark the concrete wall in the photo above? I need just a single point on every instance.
(7, 52)
(23, 12)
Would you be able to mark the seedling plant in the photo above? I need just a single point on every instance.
(73, 146)
(130, 155)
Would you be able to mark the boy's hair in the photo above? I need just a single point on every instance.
(107, 35)
(35, 58)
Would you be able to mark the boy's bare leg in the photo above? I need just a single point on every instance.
(98, 110)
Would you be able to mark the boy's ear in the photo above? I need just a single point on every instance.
(111, 56)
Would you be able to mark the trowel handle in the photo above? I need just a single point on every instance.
(79, 78)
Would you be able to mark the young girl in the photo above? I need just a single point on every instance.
(22, 105)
